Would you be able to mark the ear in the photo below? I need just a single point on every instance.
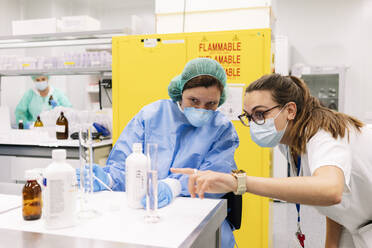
(180, 102)
(292, 110)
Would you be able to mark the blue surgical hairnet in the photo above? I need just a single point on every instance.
(194, 68)
(34, 77)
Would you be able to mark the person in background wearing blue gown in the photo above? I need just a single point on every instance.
(189, 133)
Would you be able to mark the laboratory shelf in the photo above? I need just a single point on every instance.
(99, 37)
(64, 71)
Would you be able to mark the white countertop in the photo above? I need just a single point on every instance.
(178, 221)
(37, 138)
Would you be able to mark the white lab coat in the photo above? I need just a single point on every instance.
(354, 157)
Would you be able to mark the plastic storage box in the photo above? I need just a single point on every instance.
(34, 26)
(78, 23)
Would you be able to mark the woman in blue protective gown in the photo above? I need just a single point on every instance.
(42, 97)
(189, 133)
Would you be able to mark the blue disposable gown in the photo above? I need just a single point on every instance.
(210, 147)
(32, 104)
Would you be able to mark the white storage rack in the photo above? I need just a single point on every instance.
(88, 38)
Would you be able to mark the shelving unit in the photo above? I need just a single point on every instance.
(100, 37)
(84, 38)
(65, 71)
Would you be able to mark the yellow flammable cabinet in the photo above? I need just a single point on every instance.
(143, 66)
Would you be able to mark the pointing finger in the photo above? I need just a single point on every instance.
(191, 185)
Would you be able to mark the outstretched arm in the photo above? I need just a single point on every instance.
(201, 182)
(324, 188)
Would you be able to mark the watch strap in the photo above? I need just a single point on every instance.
(241, 179)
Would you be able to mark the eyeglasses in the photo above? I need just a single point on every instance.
(257, 116)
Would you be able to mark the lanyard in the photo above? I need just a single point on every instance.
(299, 235)
(298, 206)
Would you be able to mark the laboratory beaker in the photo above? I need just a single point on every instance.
(152, 215)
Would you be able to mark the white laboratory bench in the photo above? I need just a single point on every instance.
(21, 150)
(186, 222)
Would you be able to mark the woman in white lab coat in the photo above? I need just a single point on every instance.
(331, 152)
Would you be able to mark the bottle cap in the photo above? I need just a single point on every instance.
(31, 174)
(20, 121)
(137, 147)
(59, 154)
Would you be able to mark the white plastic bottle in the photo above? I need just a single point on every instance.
(135, 180)
(60, 192)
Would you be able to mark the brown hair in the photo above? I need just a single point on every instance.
(310, 116)
(203, 81)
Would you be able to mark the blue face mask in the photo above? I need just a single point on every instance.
(266, 135)
(40, 86)
(198, 117)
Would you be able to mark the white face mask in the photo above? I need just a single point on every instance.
(266, 135)
(40, 86)
(196, 117)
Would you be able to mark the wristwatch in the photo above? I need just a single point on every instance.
(241, 178)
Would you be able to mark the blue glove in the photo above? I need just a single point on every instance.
(53, 103)
(99, 173)
(27, 125)
(101, 129)
(165, 195)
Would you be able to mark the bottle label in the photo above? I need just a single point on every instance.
(60, 128)
(140, 183)
(135, 185)
(56, 201)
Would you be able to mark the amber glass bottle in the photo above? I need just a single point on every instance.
(38, 122)
(62, 127)
(20, 124)
(31, 193)
(50, 100)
